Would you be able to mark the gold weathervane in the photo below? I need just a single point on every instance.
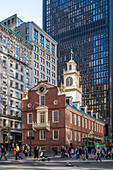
(24, 94)
(62, 88)
(71, 54)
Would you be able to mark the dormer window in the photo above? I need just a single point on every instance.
(70, 67)
(69, 81)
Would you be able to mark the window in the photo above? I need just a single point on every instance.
(70, 67)
(17, 114)
(29, 118)
(16, 125)
(69, 81)
(55, 116)
(27, 38)
(78, 120)
(35, 36)
(70, 135)
(42, 100)
(16, 85)
(11, 124)
(55, 134)
(16, 104)
(70, 117)
(74, 119)
(27, 30)
(16, 94)
(82, 122)
(30, 133)
(11, 83)
(53, 49)
(78, 136)
(42, 117)
(4, 122)
(11, 93)
(11, 73)
(4, 49)
(86, 123)
(11, 102)
(75, 136)
(89, 124)
(11, 63)
(47, 45)
(12, 20)
(11, 44)
(8, 22)
(11, 112)
(16, 66)
(17, 75)
(92, 125)
(41, 41)
(4, 39)
(42, 135)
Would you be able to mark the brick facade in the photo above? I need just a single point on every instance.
(65, 120)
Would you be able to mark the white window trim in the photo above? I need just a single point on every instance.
(79, 121)
(79, 137)
(75, 119)
(75, 136)
(30, 131)
(58, 134)
(70, 120)
(40, 134)
(40, 100)
(28, 118)
(71, 134)
(53, 116)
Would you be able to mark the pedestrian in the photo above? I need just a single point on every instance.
(28, 149)
(17, 152)
(112, 152)
(66, 152)
(62, 152)
(93, 153)
(77, 153)
(36, 152)
(72, 153)
(102, 153)
(98, 154)
(3, 152)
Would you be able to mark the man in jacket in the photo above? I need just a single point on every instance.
(3, 151)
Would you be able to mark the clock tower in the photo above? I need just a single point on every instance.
(71, 82)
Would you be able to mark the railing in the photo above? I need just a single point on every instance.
(45, 125)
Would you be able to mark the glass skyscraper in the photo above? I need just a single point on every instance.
(86, 27)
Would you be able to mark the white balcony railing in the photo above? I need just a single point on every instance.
(45, 125)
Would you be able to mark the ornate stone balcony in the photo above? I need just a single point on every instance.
(41, 126)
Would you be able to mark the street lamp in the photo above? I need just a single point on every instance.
(30, 138)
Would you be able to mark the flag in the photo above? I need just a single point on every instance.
(34, 105)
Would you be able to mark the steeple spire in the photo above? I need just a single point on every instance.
(71, 54)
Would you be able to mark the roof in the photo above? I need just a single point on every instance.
(74, 107)
(16, 33)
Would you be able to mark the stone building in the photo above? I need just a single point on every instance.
(55, 118)
(44, 55)
(15, 77)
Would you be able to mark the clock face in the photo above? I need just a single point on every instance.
(42, 89)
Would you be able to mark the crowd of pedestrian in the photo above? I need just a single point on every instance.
(81, 153)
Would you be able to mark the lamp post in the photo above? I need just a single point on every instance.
(30, 138)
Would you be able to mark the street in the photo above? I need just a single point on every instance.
(55, 163)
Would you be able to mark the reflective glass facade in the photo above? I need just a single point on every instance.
(84, 27)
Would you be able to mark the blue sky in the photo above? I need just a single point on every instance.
(27, 10)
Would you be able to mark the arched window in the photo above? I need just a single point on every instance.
(70, 67)
(69, 81)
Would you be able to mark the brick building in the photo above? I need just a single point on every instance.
(56, 117)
